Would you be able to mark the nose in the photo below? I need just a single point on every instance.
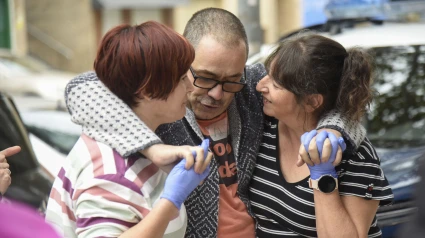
(189, 86)
(216, 92)
(262, 84)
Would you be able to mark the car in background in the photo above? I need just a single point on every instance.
(395, 121)
(31, 183)
(52, 135)
(376, 10)
(28, 77)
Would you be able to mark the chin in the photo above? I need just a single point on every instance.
(267, 113)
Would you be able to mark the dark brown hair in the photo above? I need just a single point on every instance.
(221, 24)
(148, 58)
(308, 64)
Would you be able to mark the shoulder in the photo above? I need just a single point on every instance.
(361, 175)
(80, 79)
(255, 72)
(366, 153)
(93, 158)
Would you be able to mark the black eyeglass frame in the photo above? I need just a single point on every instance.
(195, 77)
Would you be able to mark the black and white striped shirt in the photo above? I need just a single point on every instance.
(287, 209)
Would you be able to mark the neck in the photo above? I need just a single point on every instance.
(150, 119)
(290, 132)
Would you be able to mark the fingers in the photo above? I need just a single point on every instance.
(4, 165)
(306, 138)
(5, 175)
(320, 139)
(334, 144)
(199, 159)
(205, 145)
(305, 143)
(312, 151)
(303, 155)
(205, 168)
(341, 143)
(341, 148)
(10, 151)
(338, 157)
(300, 161)
(327, 150)
(189, 155)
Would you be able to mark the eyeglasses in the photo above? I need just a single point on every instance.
(207, 83)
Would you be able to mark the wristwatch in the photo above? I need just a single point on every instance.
(325, 184)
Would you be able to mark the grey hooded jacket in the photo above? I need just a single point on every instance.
(107, 119)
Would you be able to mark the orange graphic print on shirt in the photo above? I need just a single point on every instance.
(233, 218)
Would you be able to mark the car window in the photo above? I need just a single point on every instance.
(12, 132)
(397, 115)
(63, 142)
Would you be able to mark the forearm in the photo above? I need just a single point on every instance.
(155, 223)
(332, 219)
(353, 132)
(106, 118)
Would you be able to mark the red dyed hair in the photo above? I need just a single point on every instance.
(148, 58)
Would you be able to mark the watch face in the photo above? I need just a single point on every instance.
(326, 184)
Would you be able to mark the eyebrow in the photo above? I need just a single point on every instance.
(211, 74)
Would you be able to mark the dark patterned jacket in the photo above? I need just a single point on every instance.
(107, 119)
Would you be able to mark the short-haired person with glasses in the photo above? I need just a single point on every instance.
(223, 107)
(209, 83)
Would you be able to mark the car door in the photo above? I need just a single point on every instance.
(30, 184)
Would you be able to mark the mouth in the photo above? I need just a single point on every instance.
(210, 106)
(265, 101)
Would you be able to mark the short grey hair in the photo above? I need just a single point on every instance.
(222, 25)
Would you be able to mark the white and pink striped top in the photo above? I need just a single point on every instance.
(98, 193)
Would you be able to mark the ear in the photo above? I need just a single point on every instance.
(313, 102)
(143, 96)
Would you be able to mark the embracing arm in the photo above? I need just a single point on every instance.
(106, 118)
(155, 224)
(353, 132)
(103, 213)
(346, 216)
(179, 184)
(350, 210)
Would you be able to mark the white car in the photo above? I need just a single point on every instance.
(27, 77)
(52, 135)
(365, 35)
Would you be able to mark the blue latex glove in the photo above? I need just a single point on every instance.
(323, 168)
(320, 140)
(181, 182)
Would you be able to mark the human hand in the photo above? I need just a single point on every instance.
(181, 182)
(167, 156)
(321, 167)
(5, 174)
(318, 148)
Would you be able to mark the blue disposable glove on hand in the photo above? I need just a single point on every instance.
(181, 182)
(327, 167)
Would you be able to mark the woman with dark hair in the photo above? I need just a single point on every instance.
(309, 75)
(100, 192)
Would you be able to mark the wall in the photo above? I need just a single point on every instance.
(62, 33)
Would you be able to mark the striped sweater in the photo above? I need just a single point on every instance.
(98, 193)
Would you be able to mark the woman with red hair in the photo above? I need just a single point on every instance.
(102, 191)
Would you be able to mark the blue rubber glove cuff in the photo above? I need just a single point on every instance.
(327, 168)
(181, 182)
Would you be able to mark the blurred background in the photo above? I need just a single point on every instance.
(45, 43)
